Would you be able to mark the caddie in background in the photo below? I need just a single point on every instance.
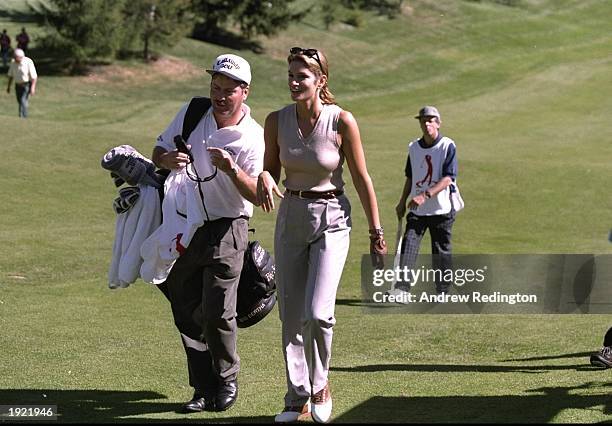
(430, 187)
(224, 156)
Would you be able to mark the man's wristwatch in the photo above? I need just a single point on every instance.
(427, 194)
(234, 170)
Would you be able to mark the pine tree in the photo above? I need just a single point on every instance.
(384, 7)
(84, 29)
(253, 17)
(265, 17)
(160, 22)
(330, 9)
(89, 30)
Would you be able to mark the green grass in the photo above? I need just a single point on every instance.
(524, 91)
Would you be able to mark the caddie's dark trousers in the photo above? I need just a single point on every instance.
(440, 229)
(202, 289)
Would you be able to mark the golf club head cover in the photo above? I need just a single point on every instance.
(126, 199)
(131, 166)
(117, 179)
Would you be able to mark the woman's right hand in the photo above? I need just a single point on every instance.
(266, 187)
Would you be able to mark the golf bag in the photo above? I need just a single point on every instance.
(257, 287)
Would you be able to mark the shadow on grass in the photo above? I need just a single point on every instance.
(544, 358)
(107, 406)
(542, 407)
(351, 302)
(455, 368)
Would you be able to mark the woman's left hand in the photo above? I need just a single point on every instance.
(266, 187)
(378, 250)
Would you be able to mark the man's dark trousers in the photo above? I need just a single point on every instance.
(202, 290)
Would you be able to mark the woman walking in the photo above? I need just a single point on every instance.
(311, 138)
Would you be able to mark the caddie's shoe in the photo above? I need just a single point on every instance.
(226, 395)
(603, 358)
(293, 413)
(322, 405)
(199, 403)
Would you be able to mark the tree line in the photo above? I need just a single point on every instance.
(88, 30)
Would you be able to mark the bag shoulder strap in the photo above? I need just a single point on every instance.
(195, 111)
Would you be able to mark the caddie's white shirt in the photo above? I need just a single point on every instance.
(244, 142)
(22, 72)
(429, 165)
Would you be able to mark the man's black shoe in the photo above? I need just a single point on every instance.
(603, 358)
(226, 395)
(199, 403)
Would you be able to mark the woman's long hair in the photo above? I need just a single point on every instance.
(326, 96)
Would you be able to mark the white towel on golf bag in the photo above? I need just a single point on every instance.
(131, 229)
(456, 199)
(171, 238)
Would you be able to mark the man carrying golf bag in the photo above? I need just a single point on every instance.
(214, 170)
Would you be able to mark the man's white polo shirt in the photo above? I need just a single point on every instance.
(244, 142)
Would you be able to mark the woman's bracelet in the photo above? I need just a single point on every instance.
(375, 233)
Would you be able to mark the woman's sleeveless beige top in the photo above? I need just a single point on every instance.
(312, 163)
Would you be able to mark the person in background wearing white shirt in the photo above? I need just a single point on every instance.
(23, 72)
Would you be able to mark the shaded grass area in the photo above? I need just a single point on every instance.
(102, 362)
(119, 406)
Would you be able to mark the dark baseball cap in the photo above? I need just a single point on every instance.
(428, 111)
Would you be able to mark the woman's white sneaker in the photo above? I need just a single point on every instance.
(293, 414)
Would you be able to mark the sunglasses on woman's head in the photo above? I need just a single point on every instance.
(311, 53)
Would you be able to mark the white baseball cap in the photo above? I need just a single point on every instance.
(232, 66)
(19, 53)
